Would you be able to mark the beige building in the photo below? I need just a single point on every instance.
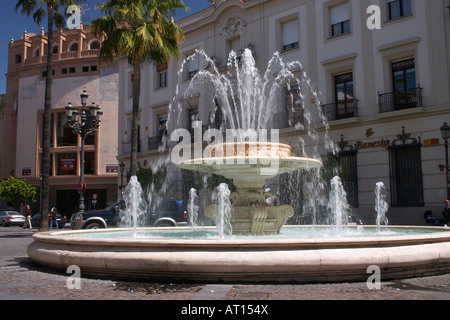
(385, 92)
(76, 68)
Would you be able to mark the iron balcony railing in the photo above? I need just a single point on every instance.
(399, 100)
(341, 109)
(154, 142)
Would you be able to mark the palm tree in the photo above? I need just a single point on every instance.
(143, 31)
(40, 9)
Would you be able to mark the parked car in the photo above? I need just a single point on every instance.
(36, 221)
(169, 213)
(11, 218)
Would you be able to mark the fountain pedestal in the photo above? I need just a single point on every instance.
(251, 214)
(250, 164)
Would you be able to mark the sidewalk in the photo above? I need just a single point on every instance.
(21, 279)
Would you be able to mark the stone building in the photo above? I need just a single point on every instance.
(76, 68)
(385, 92)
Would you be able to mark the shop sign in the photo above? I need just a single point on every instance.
(67, 164)
(383, 143)
(112, 168)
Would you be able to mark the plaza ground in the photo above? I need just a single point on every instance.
(22, 279)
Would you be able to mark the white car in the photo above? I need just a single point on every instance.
(11, 218)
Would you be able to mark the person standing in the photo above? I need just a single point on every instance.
(27, 223)
(446, 212)
(53, 214)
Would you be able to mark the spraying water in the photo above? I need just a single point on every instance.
(381, 206)
(135, 205)
(338, 205)
(223, 216)
(192, 208)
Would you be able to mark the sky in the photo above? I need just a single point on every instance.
(13, 25)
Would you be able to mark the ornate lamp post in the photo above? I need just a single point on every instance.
(90, 121)
(445, 131)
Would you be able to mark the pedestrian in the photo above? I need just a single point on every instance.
(53, 214)
(27, 223)
(446, 212)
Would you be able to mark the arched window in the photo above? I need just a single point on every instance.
(94, 44)
(55, 49)
(73, 47)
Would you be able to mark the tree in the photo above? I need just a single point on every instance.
(50, 9)
(16, 190)
(143, 31)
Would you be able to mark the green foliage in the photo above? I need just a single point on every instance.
(37, 8)
(141, 30)
(16, 190)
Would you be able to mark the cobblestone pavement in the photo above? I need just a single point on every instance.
(21, 279)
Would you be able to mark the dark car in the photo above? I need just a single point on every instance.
(96, 219)
(167, 213)
(36, 221)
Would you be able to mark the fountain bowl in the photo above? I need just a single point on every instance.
(246, 260)
(250, 164)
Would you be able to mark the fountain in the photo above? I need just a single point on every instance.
(381, 206)
(250, 241)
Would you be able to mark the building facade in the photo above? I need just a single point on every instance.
(76, 68)
(384, 91)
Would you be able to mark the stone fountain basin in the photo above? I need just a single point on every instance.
(246, 260)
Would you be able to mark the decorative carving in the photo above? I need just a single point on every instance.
(259, 215)
(404, 137)
(233, 27)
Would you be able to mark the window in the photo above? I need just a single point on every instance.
(89, 163)
(404, 82)
(340, 19)
(64, 71)
(93, 68)
(65, 135)
(94, 45)
(193, 66)
(18, 59)
(162, 75)
(406, 175)
(55, 49)
(399, 8)
(349, 176)
(193, 117)
(73, 47)
(85, 69)
(234, 44)
(345, 100)
(290, 35)
(72, 70)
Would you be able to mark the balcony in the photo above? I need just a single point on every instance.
(397, 100)
(154, 142)
(63, 56)
(288, 119)
(341, 109)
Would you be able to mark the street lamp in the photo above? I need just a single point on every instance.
(121, 169)
(445, 131)
(90, 121)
